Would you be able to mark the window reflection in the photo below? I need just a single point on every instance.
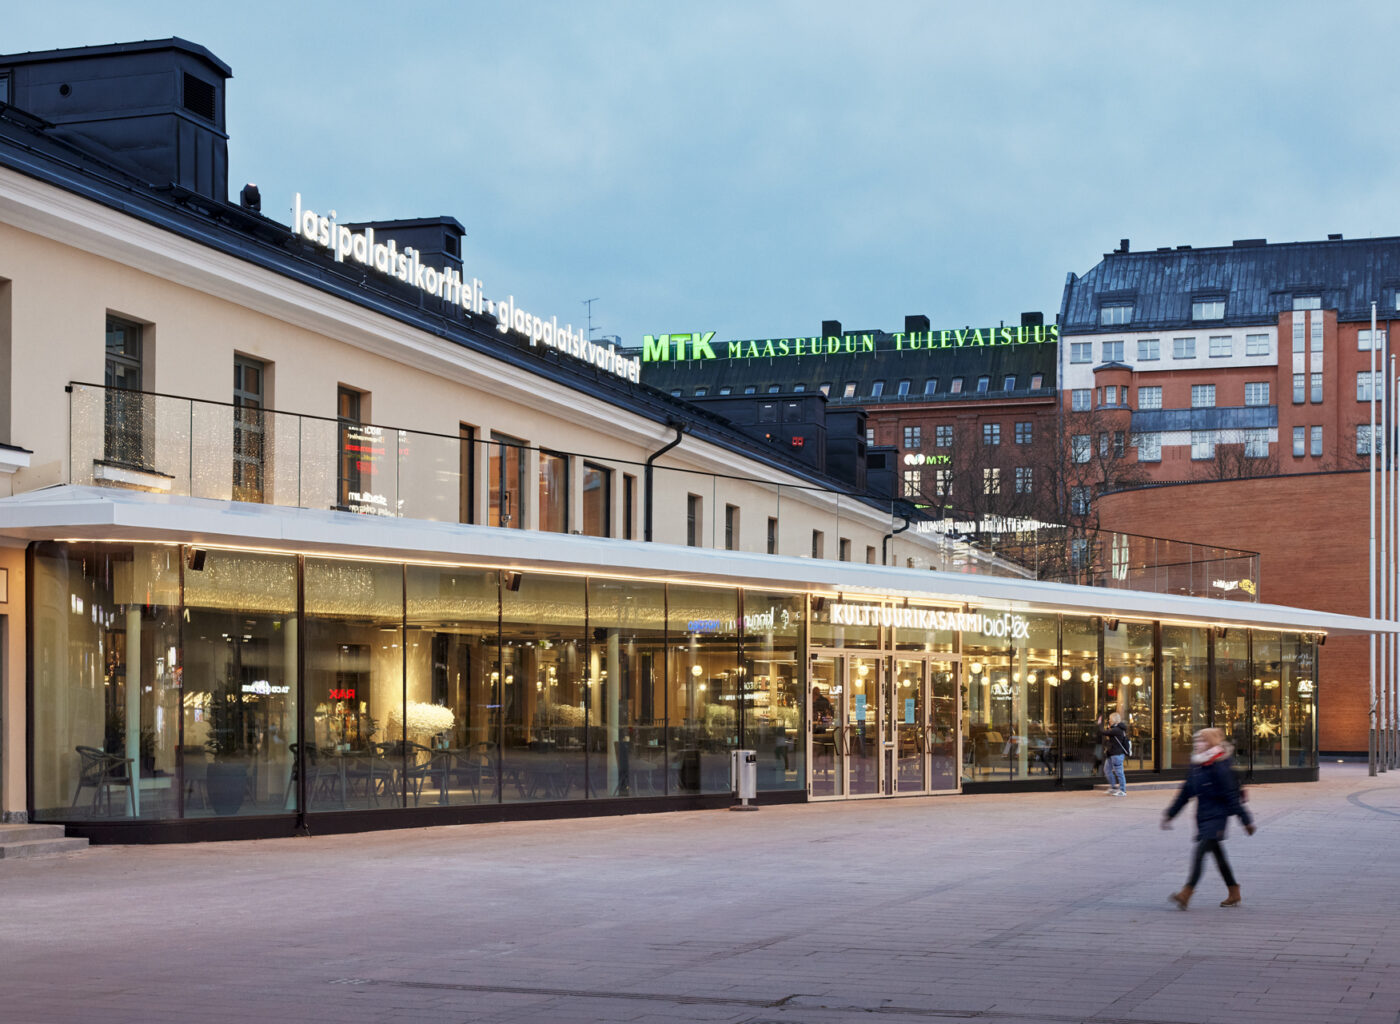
(703, 725)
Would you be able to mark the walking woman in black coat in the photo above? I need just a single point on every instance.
(1212, 783)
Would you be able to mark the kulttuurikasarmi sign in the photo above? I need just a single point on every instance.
(701, 346)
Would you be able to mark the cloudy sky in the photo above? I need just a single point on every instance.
(755, 168)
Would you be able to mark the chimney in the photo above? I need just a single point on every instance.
(1123, 245)
(915, 324)
(831, 328)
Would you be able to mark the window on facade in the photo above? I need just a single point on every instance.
(1315, 389)
(1103, 444)
(1208, 309)
(675, 392)
(1363, 440)
(1202, 444)
(597, 500)
(1316, 332)
(1150, 397)
(1149, 446)
(750, 389)
(1256, 444)
(903, 388)
(799, 388)
(943, 482)
(913, 437)
(1300, 334)
(693, 523)
(731, 527)
(361, 449)
(845, 549)
(983, 383)
(1307, 302)
(772, 535)
(1202, 396)
(955, 387)
(1363, 339)
(943, 436)
(1256, 344)
(1079, 448)
(466, 473)
(825, 387)
(1079, 553)
(1300, 442)
(1364, 383)
(991, 480)
(1023, 479)
(1081, 351)
(1115, 313)
(1315, 435)
(930, 385)
(1183, 348)
(629, 505)
(991, 433)
(1119, 440)
(1081, 399)
(1024, 431)
(1149, 350)
(773, 389)
(877, 389)
(818, 544)
(249, 400)
(701, 392)
(506, 470)
(849, 391)
(913, 483)
(1300, 388)
(1008, 383)
(1037, 381)
(1256, 392)
(127, 434)
(1112, 351)
(726, 390)
(1222, 346)
(554, 492)
(869, 435)
(1079, 500)
(1110, 395)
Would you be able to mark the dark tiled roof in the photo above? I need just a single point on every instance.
(1257, 282)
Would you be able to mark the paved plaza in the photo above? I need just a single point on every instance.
(1015, 907)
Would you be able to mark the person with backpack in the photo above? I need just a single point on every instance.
(1212, 783)
(1116, 746)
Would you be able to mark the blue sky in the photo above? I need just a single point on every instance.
(756, 168)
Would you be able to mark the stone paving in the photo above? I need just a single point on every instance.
(1017, 908)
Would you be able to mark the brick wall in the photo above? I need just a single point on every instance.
(1313, 548)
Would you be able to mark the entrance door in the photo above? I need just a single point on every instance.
(908, 688)
(881, 725)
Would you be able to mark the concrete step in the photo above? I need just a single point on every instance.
(36, 841)
(41, 848)
(25, 833)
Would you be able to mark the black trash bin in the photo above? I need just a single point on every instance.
(690, 771)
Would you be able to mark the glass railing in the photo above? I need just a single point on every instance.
(176, 445)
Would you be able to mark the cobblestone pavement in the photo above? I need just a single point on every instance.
(1009, 908)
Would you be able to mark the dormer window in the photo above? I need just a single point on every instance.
(1208, 309)
(1112, 314)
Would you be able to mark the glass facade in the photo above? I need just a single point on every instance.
(171, 683)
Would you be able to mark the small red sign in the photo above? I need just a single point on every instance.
(342, 695)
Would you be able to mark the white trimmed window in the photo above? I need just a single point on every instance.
(1183, 348)
(1316, 446)
(1365, 381)
(1112, 351)
(991, 433)
(1363, 440)
(1256, 344)
(1300, 442)
(943, 436)
(1079, 448)
(1222, 346)
(1363, 339)
(1149, 446)
(1116, 313)
(1081, 351)
(1149, 350)
(913, 483)
(1150, 397)
(1208, 309)
(1256, 444)
(1256, 392)
(1203, 396)
(1203, 444)
(991, 480)
(913, 437)
(1079, 500)
(1307, 302)
(1081, 399)
(942, 483)
(1023, 479)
